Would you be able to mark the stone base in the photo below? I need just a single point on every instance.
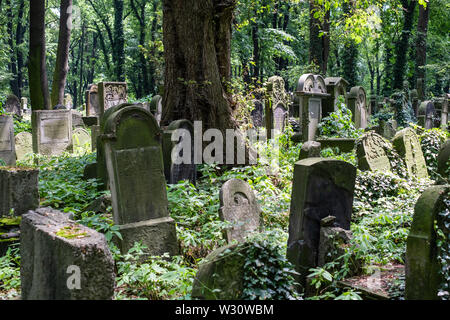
(159, 235)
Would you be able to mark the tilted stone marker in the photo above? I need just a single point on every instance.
(132, 150)
(443, 160)
(63, 260)
(426, 115)
(24, 144)
(7, 142)
(421, 265)
(407, 145)
(238, 206)
(111, 94)
(18, 190)
(357, 103)
(321, 188)
(371, 154)
(177, 165)
(52, 131)
(80, 138)
(12, 105)
(310, 149)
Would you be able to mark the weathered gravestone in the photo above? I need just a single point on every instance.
(336, 86)
(156, 108)
(52, 131)
(132, 150)
(310, 149)
(414, 101)
(388, 128)
(276, 106)
(321, 188)
(18, 190)
(407, 145)
(81, 138)
(92, 101)
(443, 160)
(371, 153)
(63, 260)
(178, 154)
(7, 142)
(24, 103)
(68, 101)
(426, 115)
(77, 119)
(441, 107)
(422, 266)
(357, 103)
(257, 113)
(12, 105)
(238, 206)
(111, 94)
(24, 144)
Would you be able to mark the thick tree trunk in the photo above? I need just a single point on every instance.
(62, 53)
(20, 38)
(12, 48)
(256, 54)
(37, 73)
(350, 54)
(195, 64)
(421, 44)
(119, 42)
(319, 46)
(403, 45)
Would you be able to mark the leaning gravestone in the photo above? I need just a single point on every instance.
(80, 138)
(238, 206)
(426, 115)
(7, 144)
(132, 150)
(111, 94)
(52, 131)
(321, 188)
(443, 160)
(63, 260)
(12, 105)
(179, 155)
(18, 190)
(371, 154)
(407, 145)
(24, 144)
(422, 265)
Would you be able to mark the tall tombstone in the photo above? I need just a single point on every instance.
(178, 165)
(7, 142)
(357, 103)
(238, 205)
(92, 101)
(132, 150)
(371, 154)
(311, 90)
(426, 114)
(156, 108)
(52, 131)
(407, 145)
(276, 108)
(257, 113)
(336, 86)
(12, 105)
(24, 144)
(321, 188)
(111, 94)
(422, 279)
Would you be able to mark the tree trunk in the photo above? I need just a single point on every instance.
(37, 73)
(421, 45)
(20, 37)
(62, 53)
(195, 64)
(12, 49)
(319, 45)
(256, 54)
(119, 42)
(350, 54)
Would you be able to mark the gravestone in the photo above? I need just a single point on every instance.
(407, 145)
(12, 105)
(373, 105)
(24, 103)
(357, 103)
(279, 118)
(336, 86)
(80, 138)
(95, 132)
(24, 144)
(177, 165)
(426, 115)
(63, 260)
(156, 108)
(414, 101)
(257, 113)
(443, 160)
(371, 154)
(52, 131)
(111, 94)
(422, 278)
(92, 101)
(68, 101)
(238, 206)
(7, 143)
(321, 188)
(388, 128)
(77, 119)
(310, 149)
(18, 190)
(132, 150)
(277, 102)
(441, 107)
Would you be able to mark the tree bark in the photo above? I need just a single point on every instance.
(62, 53)
(20, 38)
(421, 44)
(350, 54)
(37, 72)
(119, 42)
(12, 49)
(196, 66)
(319, 45)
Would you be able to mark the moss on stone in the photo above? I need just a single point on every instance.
(10, 221)
(71, 232)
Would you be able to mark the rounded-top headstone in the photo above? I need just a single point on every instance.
(80, 138)
(24, 144)
(370, 150)
(305, 83)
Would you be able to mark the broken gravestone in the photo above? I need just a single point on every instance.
(371, 154)
(238, 206)
(63, 260)
(422, 265)
(24, 144)
(321, 188)
(18, 190)
(132, 152)
(407, 145)
(7, 142)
